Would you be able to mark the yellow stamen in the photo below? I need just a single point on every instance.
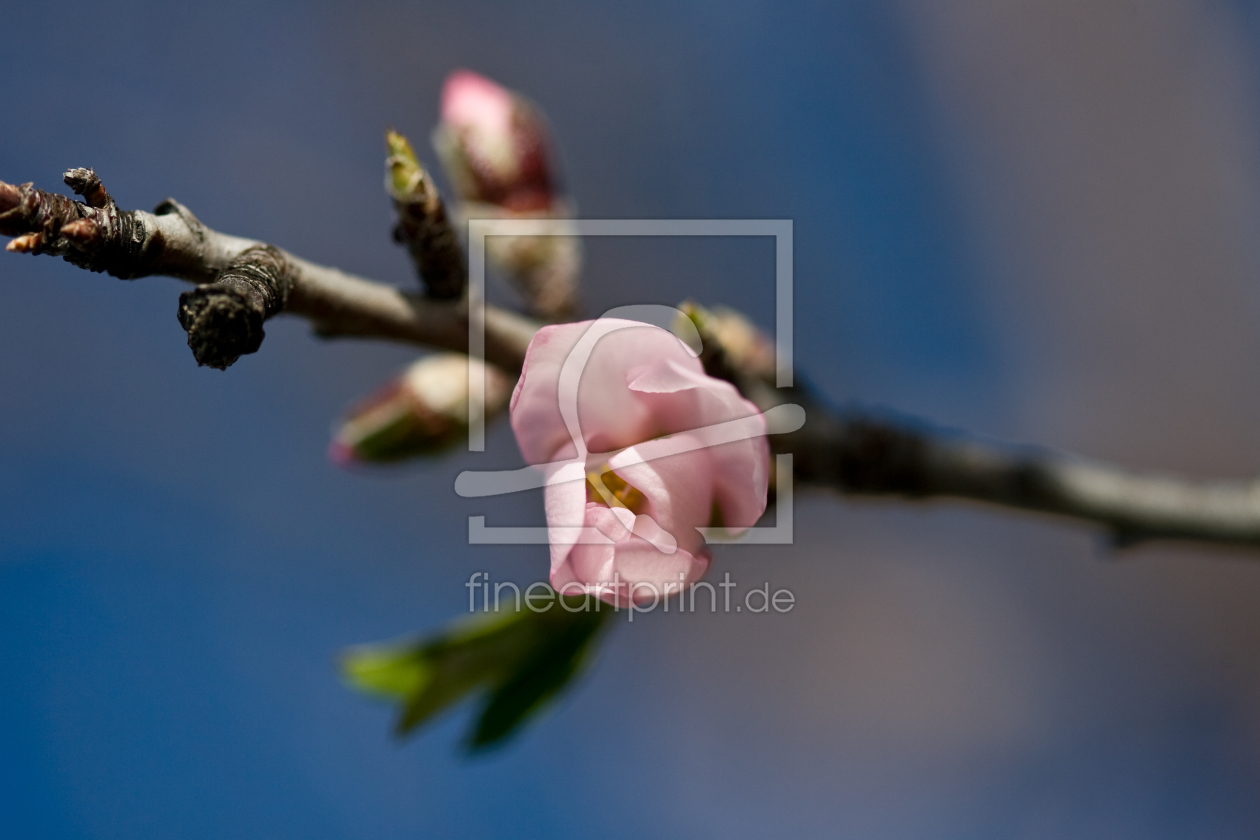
(606, 486)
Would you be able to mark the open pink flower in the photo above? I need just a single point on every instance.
(641, 449)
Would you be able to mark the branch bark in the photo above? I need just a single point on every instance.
(864, 453)
(171, 241)
(423, 226)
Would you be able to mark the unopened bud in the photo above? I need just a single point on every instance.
(85, 182)
(544, 268)
(27, 243)
(422, 412)
(494, 145)
(83, 233)
(422, 222)
(10, 197)
(405, 180)
(496, 150)
(745, 348)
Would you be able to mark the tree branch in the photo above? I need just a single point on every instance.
(244, 282)
(224, 315)
(864, 453)
(422, 222)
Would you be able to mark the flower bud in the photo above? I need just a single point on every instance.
(544, 268)
(421, 412)
(422, 222)
(494, 145)
(744, 347)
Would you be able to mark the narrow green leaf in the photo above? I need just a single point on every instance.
(393, 672)
(536, 682)
(518, 660)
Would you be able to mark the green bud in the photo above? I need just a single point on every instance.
(744, 347)
(404, 177)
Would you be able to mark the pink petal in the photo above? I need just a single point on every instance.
(650, 575)
(679, 488)
(740, 469)
(610, 415)
(565, 502)
(469, 99)
(648, 528)
(666, 376)
(741, 478)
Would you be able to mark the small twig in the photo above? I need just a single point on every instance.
(422, 222)
(95, 235)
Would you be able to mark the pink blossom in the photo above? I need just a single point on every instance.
(664, 448)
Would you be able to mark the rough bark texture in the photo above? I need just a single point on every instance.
(424, 228)
(171, 241)
(224, 319)
(92, 234)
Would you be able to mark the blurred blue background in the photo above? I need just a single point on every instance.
(1033, 220)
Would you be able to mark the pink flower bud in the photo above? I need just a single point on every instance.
(658, 450)
(421, 412)
(494, 145)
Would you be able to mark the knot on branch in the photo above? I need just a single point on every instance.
(95, 235)
(224, 319)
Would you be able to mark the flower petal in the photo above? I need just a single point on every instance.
(666, 376)
(678, 487)
(610, 415)
(741, 479)
(564, 497)
(649, 575)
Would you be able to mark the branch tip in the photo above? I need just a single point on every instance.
(27, 243)
(222, 325)
(10, 197)
(423, 226)
(86, 183)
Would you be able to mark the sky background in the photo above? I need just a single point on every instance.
(1032, 220)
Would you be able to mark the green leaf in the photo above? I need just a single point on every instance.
(555, 663)
(394, 673)
(519, 660)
